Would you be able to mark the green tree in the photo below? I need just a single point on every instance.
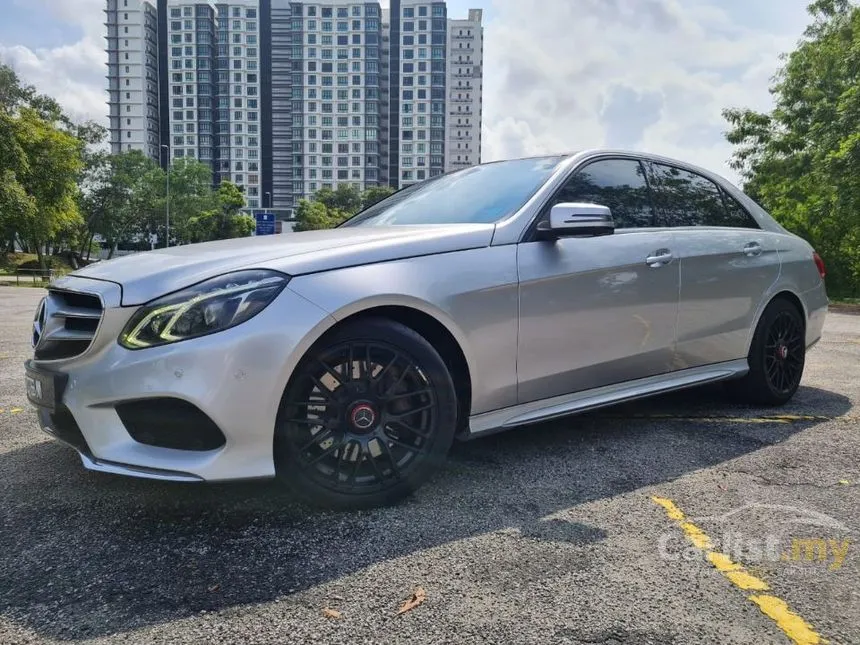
(801, 161)
(313, 215)
(374, 195)
(328, 208)
(15, 203)
(54, 162)
(226, 220)
(44, 158)
(346, 198)
(190, 195)
(118, 194)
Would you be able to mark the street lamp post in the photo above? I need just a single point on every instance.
(269, 199)
(167, 201)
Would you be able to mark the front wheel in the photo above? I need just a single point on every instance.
(366, 417)
(776, 358)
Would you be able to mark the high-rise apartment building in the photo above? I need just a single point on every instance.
(132, 48)
(213, 58)
(328, 110)
(465, 64)
(287, 97)
(418, 39)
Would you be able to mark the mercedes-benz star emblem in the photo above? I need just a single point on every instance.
(363, 416)
(39, 322)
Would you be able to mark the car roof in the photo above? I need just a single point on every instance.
(621, 152)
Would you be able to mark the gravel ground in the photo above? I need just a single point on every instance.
(546, 534)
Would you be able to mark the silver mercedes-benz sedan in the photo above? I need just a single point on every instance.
(347, 361)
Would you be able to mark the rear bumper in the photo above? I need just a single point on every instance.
(816, 302)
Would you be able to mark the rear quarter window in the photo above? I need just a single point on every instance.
(737, 215)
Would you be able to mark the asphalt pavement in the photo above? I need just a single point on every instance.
(683, 519)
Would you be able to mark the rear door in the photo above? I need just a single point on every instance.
(597, 310)
(727, 265)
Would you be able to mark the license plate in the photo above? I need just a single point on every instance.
(40, 389)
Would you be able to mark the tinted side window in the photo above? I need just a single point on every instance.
(687, 199)
(619, 184)
(737, 215)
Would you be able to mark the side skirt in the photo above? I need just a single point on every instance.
(559, 406)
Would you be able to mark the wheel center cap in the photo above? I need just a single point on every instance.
(362, 417)
(782, 352)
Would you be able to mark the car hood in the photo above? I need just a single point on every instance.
(147, 275)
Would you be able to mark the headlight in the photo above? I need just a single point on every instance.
(213, 305)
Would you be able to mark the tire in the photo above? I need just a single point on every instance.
(371, 434)
(776, 358)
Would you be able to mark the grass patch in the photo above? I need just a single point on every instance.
(11, 262)
(6, 282)
(845, 305)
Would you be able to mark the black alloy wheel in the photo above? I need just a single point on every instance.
(783, 353)
(366, 416)
(776, 357)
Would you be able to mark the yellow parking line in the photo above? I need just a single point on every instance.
(798, 630)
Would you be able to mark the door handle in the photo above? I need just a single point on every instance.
(659, 258)
(752, 249)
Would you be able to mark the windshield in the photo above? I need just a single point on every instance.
(476, 195)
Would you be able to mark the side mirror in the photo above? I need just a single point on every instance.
(576, 219)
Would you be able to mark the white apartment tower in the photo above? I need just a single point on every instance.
(465, 61)
(132, 47)
(214, 89)
(287, 97)
(417, 74)
(335, 93)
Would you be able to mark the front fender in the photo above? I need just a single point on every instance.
(472, 293)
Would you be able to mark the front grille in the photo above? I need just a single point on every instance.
(65, 324)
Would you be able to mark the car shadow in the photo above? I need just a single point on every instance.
(84, 555)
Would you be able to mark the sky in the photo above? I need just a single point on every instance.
(559, 75)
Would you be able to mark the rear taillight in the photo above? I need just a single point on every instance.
(819, 263)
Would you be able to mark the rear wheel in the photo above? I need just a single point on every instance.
(367, 416)
(776, 358)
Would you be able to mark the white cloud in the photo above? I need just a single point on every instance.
(74, 74)
(645, 74)
(569, 74)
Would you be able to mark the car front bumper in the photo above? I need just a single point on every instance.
(235, 378)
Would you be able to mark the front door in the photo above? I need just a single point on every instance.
(599, 310)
